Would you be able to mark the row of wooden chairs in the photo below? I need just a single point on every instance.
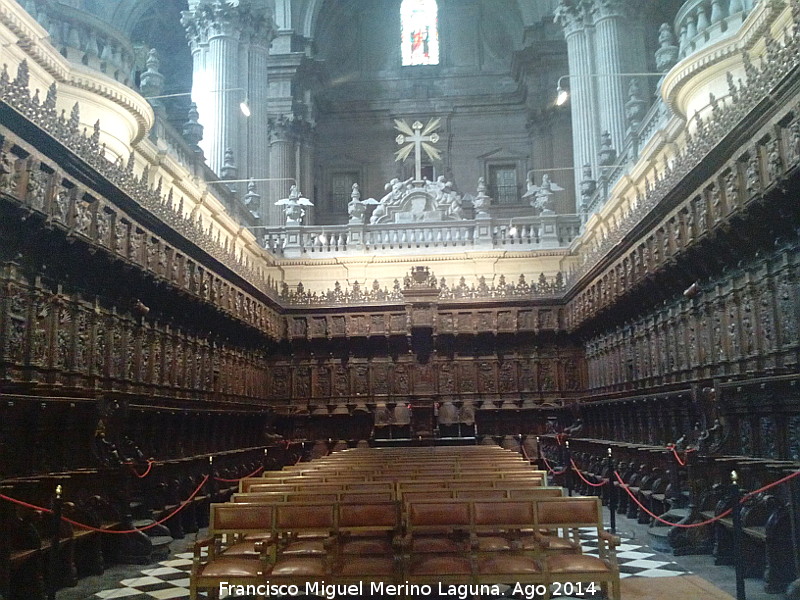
(446, 540)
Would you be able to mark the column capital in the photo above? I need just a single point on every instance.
(280, 129)
(205, 20)
(610, 9)
(571, 16)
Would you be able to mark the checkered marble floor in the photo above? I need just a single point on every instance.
(634, 560)
(170, 578)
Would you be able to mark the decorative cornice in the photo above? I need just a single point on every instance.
(479, 289)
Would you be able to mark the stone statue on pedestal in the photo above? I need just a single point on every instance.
(541, 197)
(357, 207)
(294, 206)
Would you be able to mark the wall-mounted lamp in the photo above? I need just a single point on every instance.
(562, 93)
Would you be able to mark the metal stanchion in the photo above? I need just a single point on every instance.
(737, 536)
(210, 481)
(52, 567)
(567, 466)
(612, 494)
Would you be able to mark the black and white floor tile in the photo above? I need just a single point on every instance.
(170, 578)
(635, 560)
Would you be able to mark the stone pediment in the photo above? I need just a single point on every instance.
(418, 201)
(416, 205)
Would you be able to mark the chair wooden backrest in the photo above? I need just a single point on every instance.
(481, 494)
(295, 517)
(235, 519)
(440, 515)
(496, 515)
(518, 493)
(368, 517)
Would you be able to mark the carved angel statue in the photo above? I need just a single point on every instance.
(294, 206)
(542, 196)
(357, 207)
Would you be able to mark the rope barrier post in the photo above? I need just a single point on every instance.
(211, 486)
(568, 473)
(612, 494)
(55, 543)
(737, 535)
(539, 464)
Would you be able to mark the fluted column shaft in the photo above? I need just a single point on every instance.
(230, 49)
(257, 159)
(305, 167)
(282, 166)
(611, 87)
(222, 100)
(585, 135)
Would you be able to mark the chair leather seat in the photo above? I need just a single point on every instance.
(576, 563)
(367, 546)
(232, 566)
(367, 566)
(503, 564)
(315, 547)
(265, 536)
(299, 566)
(245, 548)
(493, 543)
(554, 543)
(438, 544)
(441, 565)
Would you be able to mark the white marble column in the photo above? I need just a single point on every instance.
(223, 98)
(610, 29)
(213, 30)
(585, 133)
(304, 165)
(256, 159)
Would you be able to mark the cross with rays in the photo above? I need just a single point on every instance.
(417, 138)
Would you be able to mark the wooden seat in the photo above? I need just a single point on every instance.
(229, 523)
(571, 514)
(367, 542)
(437, 544)
(295, 560)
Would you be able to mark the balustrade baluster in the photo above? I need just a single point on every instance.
(735, 6)
(691, 30)
(684, 40)
(716, 11)
(702, 19)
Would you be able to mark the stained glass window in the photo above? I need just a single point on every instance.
(420, 31)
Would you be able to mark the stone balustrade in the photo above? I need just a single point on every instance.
(544, 232)
(703, 22)
(85, 39)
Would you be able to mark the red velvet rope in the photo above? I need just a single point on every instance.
(549, 468)
(769, 485)
(722, 515)
(586, 481)
(146, 473)
(524, 452)
(115, 531)
(256, 472)
(681, 462)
